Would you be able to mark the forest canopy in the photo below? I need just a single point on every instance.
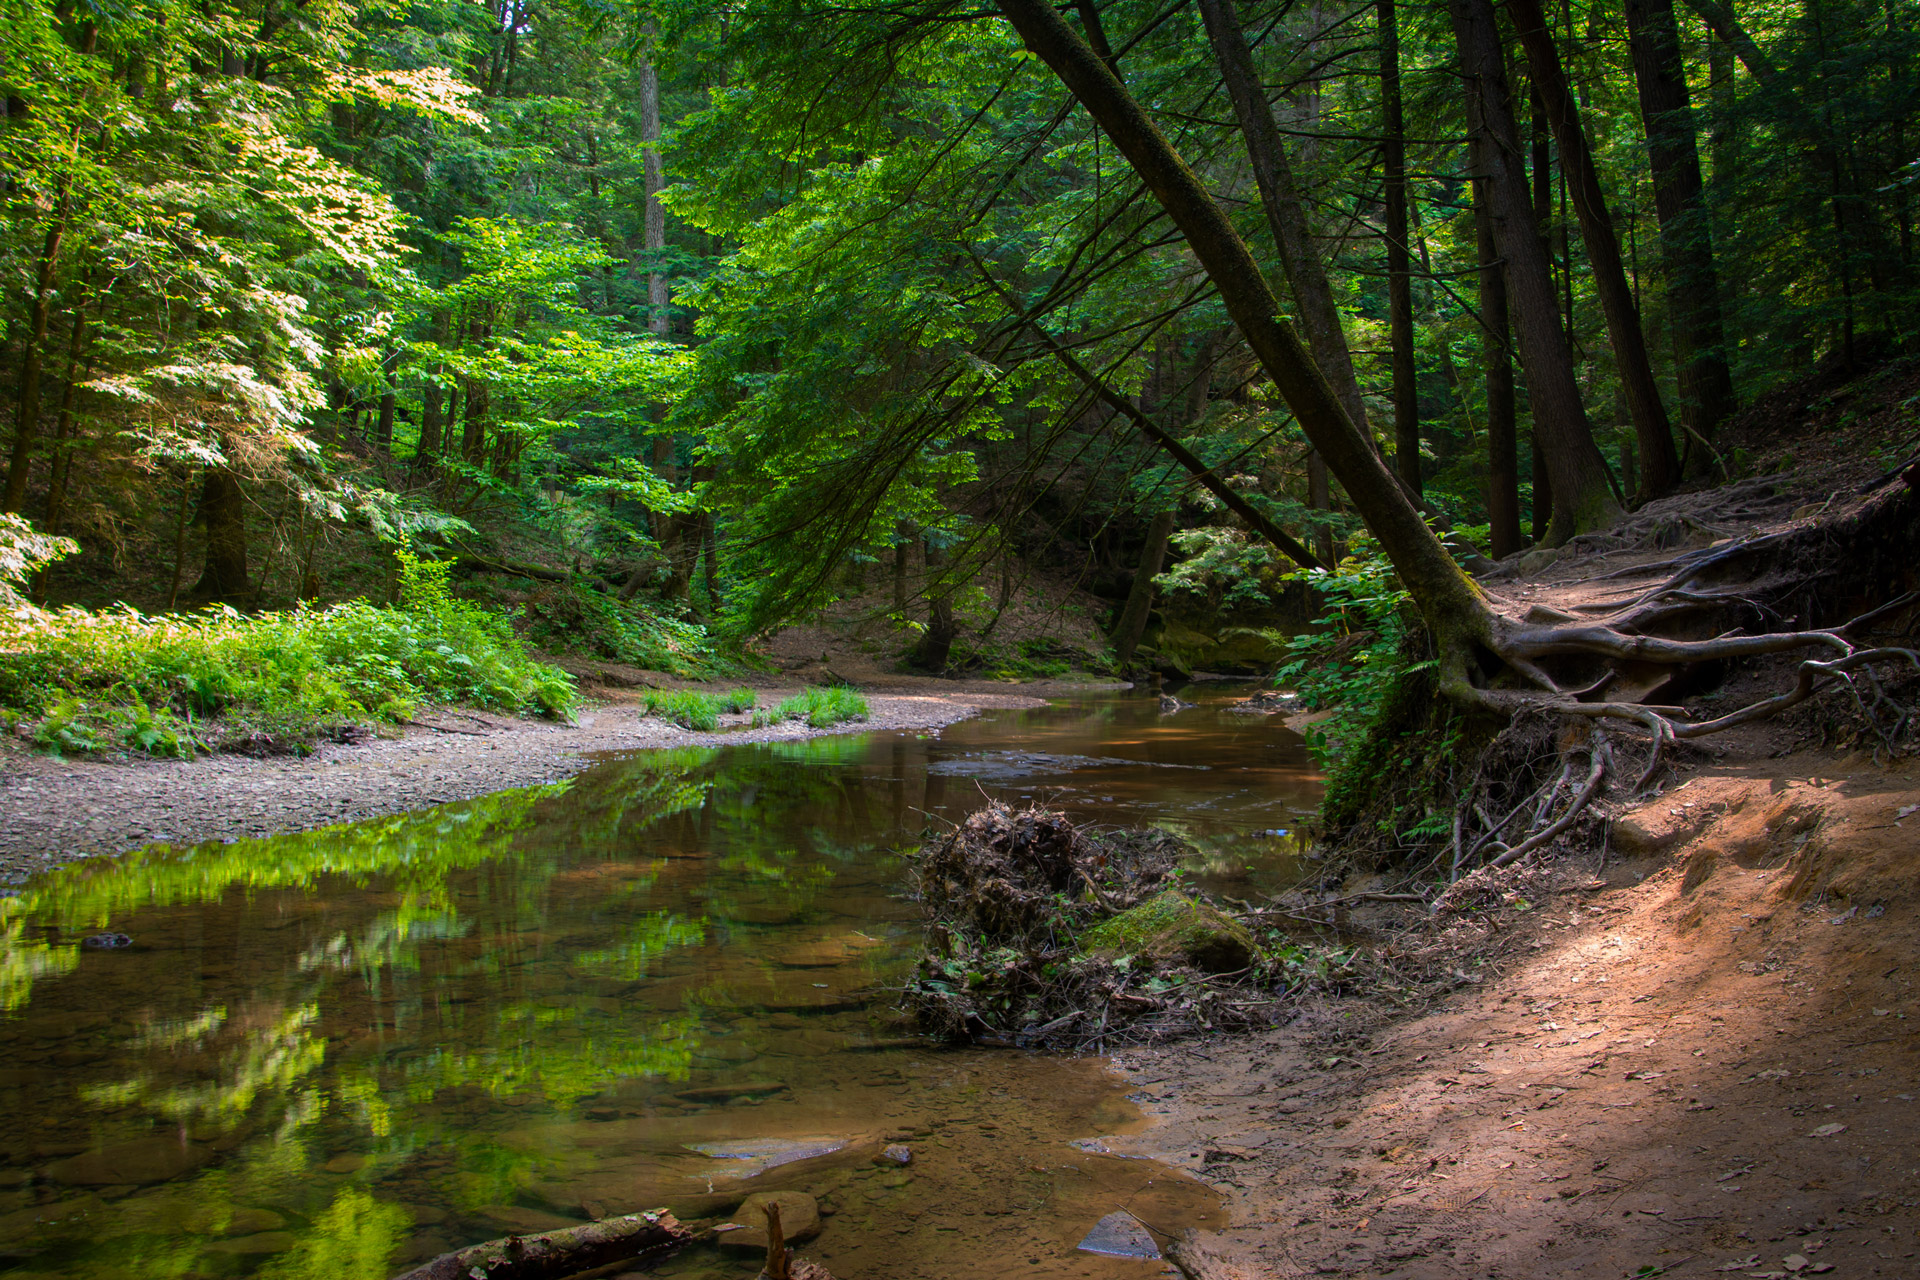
(701, 312)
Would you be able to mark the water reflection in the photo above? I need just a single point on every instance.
(331, 1053)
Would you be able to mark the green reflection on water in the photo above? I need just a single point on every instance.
(328, 1053)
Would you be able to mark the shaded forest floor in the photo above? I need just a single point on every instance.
(1690, 1043)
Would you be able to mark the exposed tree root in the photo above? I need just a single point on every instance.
(1557, 667)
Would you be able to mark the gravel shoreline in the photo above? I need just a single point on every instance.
(55, 811)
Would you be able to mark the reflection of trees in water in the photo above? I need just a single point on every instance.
(406, 984)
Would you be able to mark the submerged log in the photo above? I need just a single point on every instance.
(552, 1255)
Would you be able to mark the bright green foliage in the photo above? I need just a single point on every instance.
(692, 709)
(819, 707)
(1368, 639)
(643, 633)
(174, 685)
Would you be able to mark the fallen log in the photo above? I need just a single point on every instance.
(552, 1255)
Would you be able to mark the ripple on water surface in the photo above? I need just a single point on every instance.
(662, 982)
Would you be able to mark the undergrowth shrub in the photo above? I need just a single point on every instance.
(1369, 638)
(817, 706)
(117, 679)
(1394, 751)
(583, 620)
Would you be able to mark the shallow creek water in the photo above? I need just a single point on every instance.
(660, 982)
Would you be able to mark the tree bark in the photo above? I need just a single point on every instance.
(1719, 16)
(27, 415)
(1659, 463)
(1286, 211)
(1503, 466)
(1447, 599)
(1582, 498)
(1393, 153)
(1293, 235)
(223, 505)
(1133, 616)
(1686, 237)
(935, 647)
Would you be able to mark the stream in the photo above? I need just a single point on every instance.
(327, 1056)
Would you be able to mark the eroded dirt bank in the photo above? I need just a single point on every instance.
(1701, 1055)
(53, 810)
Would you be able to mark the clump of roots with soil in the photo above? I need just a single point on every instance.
(1044, 933)
(1617, 672)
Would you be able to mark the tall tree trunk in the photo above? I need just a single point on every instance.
(1293, 236)
(1450, 603)
(901, 552)
(935, 647)
(1393, 153)
(63, 425)
(1582, 497)
(27, 415)
(383, 425)
(1503, 464)
(1659, 463)
(1133, 615)
(1286, 211)
(1542, 510)
(670, 530)
(1686, 236)
(223, 506)
(473, 432)
(426, 450)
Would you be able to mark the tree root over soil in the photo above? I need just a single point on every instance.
(1604, 677)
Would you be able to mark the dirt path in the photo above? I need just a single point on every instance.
(1700, 1054)
(1709, 1059)
(53, 811)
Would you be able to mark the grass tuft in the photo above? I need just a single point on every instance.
(819, 707)
(692, 709)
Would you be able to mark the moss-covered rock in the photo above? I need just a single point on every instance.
(1172, 925)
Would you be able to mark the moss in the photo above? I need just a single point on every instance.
(1396, 740)
(1172, 924)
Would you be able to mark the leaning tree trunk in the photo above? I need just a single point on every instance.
(1393, 155)
(1503, 463)
(1450, 603)
(1477, 648)
(1686, 238)
(1659, 463)
(1582, 497)
(1293, 236)
(1133, 616)
(223, 505)
(1286, 210)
